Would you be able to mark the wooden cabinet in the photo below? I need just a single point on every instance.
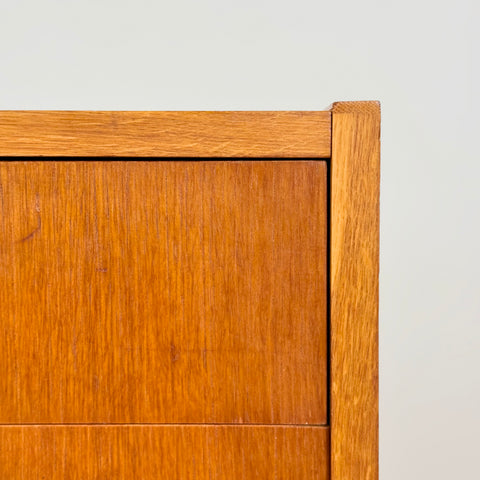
(201, 305)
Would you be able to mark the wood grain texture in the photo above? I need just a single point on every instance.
(355, 179)
(166, 134)
(163, 292)
(163, 452)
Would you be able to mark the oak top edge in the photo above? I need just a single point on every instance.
(369, 107)
(248, 134)
(176, 112)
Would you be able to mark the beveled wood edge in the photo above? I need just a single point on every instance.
(242, 134)
(354, 268)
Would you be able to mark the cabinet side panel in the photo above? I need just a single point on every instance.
(355, 176)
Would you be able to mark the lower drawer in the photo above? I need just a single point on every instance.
(58, 452)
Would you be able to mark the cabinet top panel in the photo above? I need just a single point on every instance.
(282, 134)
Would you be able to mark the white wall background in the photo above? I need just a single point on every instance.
(420, 58)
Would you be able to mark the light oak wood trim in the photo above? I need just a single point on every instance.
(178, 452)
(355, 179)
(165, 134)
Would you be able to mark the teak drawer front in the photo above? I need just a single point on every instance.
(163, 292)
(180, 452)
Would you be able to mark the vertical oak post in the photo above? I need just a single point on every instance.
(355, 179)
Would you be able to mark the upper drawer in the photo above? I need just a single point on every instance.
(163, 292)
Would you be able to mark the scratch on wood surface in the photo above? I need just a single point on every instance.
(31, 234)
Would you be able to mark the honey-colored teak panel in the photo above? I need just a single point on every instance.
(162, 292)
(164, 452)
(166, 134)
